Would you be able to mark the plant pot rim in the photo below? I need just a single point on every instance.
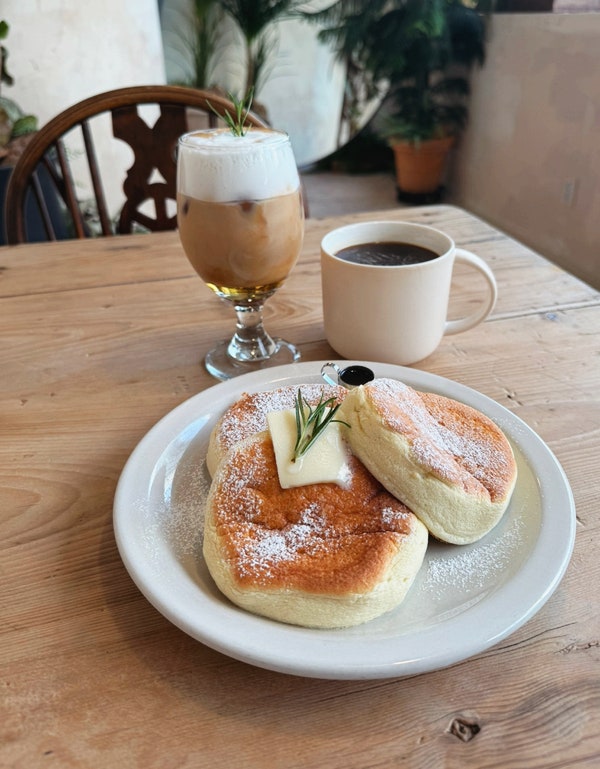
(394, 141)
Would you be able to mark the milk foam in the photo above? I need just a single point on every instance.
(216, 166)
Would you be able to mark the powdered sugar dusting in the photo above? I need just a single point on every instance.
(481, 453)
(454, 441)
(269, 547)
(404, 411)
(392, 515)
(474, 566)
(184, 515)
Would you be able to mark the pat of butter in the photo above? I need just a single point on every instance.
(326, 461)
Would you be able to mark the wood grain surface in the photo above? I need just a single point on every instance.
(99, 340)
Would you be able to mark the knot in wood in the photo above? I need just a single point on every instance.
(465, 727)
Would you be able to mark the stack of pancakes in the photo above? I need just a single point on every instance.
(323, 555)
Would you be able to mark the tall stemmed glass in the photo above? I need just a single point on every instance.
(241, 224)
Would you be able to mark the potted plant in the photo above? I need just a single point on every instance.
(419, 52)
(429, 98)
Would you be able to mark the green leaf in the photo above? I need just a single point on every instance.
(311, 422)
(237, 121)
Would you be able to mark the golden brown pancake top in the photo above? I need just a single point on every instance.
(475, 442)
(451, 440)
(320, 538)
(248, 415)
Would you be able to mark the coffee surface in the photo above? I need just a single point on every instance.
(386, 254)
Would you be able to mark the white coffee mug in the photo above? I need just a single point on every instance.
(394, 314)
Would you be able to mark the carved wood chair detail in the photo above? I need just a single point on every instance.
(154, 152)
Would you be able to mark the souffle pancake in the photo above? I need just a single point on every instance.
(448, 462)
(320, 555)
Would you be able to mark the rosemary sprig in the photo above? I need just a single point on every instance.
(237, 123)
(310, 422)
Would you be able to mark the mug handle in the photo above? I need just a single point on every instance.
(462, 324)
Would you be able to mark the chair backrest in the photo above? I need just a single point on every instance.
(47, 159)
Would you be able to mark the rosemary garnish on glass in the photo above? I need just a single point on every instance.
(237, 123)
(310, 422)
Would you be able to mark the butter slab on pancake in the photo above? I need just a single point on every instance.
(248, 415)
(449, 463)
(320, 555)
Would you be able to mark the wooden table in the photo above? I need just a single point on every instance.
(102, 338)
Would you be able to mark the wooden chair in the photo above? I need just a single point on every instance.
(151, 177)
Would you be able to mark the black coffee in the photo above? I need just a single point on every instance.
(386, 254)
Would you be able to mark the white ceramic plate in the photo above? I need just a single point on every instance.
(464, 600)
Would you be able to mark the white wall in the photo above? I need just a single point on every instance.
(304, 92)
(62, 51)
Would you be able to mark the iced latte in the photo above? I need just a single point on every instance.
(240, 213)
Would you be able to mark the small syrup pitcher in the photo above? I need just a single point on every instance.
(349, 377)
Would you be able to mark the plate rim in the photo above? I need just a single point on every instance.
(170, 426)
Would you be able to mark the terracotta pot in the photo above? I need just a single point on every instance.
(420, 166)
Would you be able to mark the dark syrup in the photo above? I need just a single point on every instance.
(353, 376)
